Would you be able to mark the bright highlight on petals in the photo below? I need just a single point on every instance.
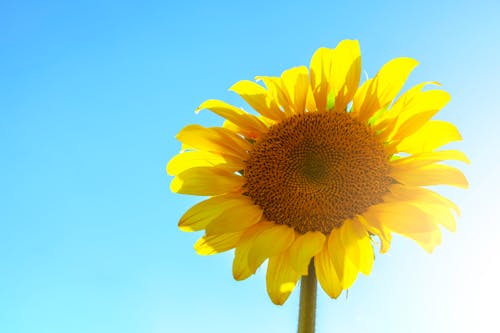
(324, 173)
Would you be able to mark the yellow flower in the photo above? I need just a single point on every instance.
(323, 170)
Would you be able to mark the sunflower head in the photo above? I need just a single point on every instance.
(322, 171)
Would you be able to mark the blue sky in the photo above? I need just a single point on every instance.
(92, 94)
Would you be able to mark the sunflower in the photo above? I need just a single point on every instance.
(324, 173)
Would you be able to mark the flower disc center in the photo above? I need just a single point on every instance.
(315, 170)
(312, 165)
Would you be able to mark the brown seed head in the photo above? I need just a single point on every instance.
(315, 170)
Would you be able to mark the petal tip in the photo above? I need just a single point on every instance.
(175, 185)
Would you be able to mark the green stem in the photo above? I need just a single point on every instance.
(307, 307)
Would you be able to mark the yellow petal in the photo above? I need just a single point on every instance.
(409, 221)
(259, 99)
(352, 253)
(215, 139)
(417, 113)
(241, 269)
(280, 278)
(403, 218)
(207, 181)
(250, 125)
(429, 137)
(440, 214)
(417, 195)
(326, 273)
(380, 91)
(374, 225)
(310, 101)
(424, 231)
(434, 174)
(321, 67)
(277, 93)
(423, 159)
(367, 255)
(428, 240)
(304, 248)
(231, 126)
(437, 208)
(268, 243)
(365, 102)
(236, 129)
(385, 120)
(358, 250)
(191, 159)
(346, 71)
(239, 217)
(337, 254)
(408, 224)
(208, 245)
(407, 98)
(295, 83)
(200, 215)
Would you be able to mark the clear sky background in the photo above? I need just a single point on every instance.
(92, 94)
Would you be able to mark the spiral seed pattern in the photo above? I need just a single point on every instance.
(315, 170)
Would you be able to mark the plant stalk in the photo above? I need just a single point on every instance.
(307, 307)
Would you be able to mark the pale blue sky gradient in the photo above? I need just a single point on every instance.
(92, 94)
